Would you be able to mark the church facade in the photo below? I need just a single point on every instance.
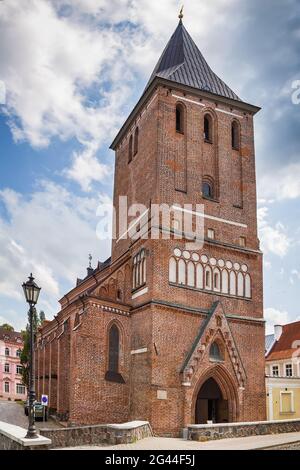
(170, 329)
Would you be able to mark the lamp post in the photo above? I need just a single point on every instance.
(32, 292)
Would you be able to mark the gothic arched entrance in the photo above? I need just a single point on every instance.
(210, 404)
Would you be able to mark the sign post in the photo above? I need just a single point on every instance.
(44, 401)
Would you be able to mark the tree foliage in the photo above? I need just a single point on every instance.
(38, 319)
(7, 327)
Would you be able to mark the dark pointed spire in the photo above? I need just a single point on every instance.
(182, 62)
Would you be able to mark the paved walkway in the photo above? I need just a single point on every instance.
(241, 443)
(13, 413)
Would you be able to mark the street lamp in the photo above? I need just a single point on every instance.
(31, 292)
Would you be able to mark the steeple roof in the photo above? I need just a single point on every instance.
(182, 62)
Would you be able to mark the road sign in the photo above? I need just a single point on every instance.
(44, 400)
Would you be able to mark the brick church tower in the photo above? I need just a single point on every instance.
(170, 329)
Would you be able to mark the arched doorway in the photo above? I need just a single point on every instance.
(210, 404)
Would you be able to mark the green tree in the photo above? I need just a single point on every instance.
(38, 319)
(7, 327)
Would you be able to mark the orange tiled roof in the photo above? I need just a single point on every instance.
(282, 348)
(287, 354)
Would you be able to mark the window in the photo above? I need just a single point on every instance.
(181, 272)
(275, 371)
(208, 128)
(215, 353)
(6, 351)
(240, 285)
(6, 387)
(139, 270)
(225, 281)
(179, 119)
(208, 278)
(289, 370)
(136, 141)
(248, 286)
(207, 190)
(172, 270)
(113, 358)
(211, 234)
(19, 369)
(6, 368)
(242, 241)
(235, 135)
(20, 389)
(130, 149)
(286, 402)
(18, 353)
(191, 274)
(217, 283)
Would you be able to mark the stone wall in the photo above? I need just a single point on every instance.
(226, 431)
(95, 435)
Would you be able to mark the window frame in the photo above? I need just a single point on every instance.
(7, 368)
(272, 370)
(286, 366)
(23, 388)
(208, 134)
(180, 121)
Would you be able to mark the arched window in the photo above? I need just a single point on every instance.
(6, 351)
(18, 353)
(136, 141)
(232, 283)
(235, 135)
(215, 353)
(172, 270)
(113, 349)
(180, 118)
(217, 280)
(191, 274)
(139, 270)
(208, 133)
(207, 188)
(181, 272)
(199, 276)
(208, 278)
(248, 286)
(130, 149)
(225, 281)
(240, 285)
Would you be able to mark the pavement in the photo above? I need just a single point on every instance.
(284, 441)
(13, 413)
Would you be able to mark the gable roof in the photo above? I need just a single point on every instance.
(286, 345)
(10, 336)
(182, 62)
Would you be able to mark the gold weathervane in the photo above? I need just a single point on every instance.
(181, 13)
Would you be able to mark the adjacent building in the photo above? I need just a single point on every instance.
(283, 372)
(11, 345)
(167, 330)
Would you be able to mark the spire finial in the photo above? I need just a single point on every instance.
(180, 16)
(90, 260)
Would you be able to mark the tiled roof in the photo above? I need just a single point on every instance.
(287, 354)
(10, 336)
(182, 62)
(288, 342)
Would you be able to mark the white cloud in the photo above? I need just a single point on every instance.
(274, 240)
(275, 317)
(282, 184)
(58, 57)
(86, 168)
(51, 234)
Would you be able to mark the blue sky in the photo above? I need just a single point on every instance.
(73, 70)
